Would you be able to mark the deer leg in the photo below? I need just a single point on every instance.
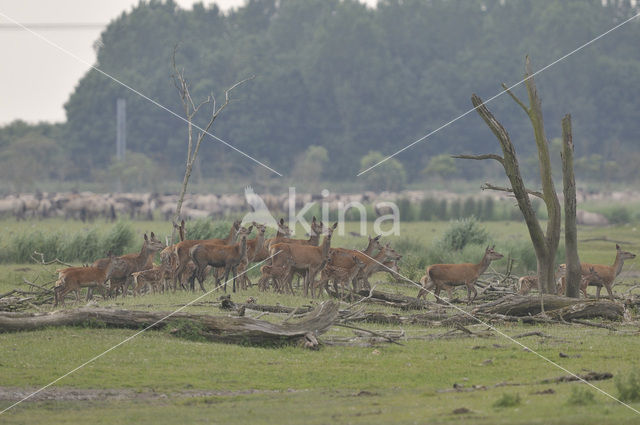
(233, 270)
(598, 289)
(436, 292)
(609, 290)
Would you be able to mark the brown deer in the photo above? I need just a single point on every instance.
(605, 274)
(227, 256)
(74, 278)
(529, 282)
(306, 258)
(182, 258)
(120, 269)
(253, 247)
(339, 276)
(388, 265)
(155, 277)
(277, 274)
(444, 276)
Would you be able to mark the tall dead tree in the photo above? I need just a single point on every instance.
(545, 243)
(570, 230)
(190, 112)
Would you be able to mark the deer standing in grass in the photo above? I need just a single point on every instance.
(275, 274)
(182, 257)
(444, 276)
(215, 255)
(605, 274)
(120, 269)
(306, 258)
(254, 246)
(74, 278)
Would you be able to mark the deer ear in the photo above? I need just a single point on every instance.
(618, 247)
(335, 225)
(314, 219)
(145, 237)
(153, 236)
(282, 221)
(182, 223)
(377, 237)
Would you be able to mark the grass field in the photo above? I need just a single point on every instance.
(159, 378)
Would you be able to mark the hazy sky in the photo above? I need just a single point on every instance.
(37, 78)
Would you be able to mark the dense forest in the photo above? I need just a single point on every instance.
(359, 82)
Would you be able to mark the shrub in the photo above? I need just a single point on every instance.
(580, 397)
(118, 239)
(406, 212)
(463, 232)
(507, 400)
(427, 209)
(207, 229)
(619, 215)
(629, 387)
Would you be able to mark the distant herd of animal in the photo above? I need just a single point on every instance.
(320, 266)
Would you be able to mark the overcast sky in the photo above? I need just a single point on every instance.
(37, 78)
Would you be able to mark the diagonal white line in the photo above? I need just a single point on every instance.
(132, 336)
(76, 57)
(500, 93)
(507, 337)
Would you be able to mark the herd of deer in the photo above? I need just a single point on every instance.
(284, 257)
(190, 260)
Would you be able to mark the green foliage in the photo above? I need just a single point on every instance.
(628, 385)
(618, 215)
(507, 400)
(441, 165)
(389, 175)
(118, 239)
(463, 232)
(310, 165)
(84, 246)
(581, 397)
(207, 229)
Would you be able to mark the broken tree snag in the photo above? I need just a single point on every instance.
(573, 273)
(238, 330)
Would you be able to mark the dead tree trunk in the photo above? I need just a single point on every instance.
(190, 111)
(570, 229)
(238, 330)
(545, 243)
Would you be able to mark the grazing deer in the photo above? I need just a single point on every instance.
(182, 257)
(74, 278)
(120, 269)
(444, 276)
(227, 256)
(306, 258)
(606, 274)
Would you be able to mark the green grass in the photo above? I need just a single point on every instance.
(386, 384)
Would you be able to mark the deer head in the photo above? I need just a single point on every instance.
(624, 255)
(491, 254)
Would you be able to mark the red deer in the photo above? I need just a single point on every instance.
(306, 258)
(227, 256)
(182, 258)
(606, 274)
(120, 269)
(444, 276)
(74, 278)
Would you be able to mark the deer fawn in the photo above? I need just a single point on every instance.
(444, 276)
(529, 282)
(605, 274)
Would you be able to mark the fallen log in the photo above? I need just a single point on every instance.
(589, 310)
(519, 305)
(239, 330)
(397, 319)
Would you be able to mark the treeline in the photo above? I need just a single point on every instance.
(351, 79)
